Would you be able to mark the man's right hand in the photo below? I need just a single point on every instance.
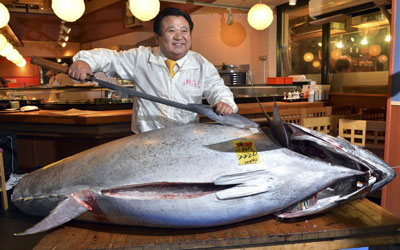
(79, 70)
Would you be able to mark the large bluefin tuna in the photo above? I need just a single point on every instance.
(200, 175)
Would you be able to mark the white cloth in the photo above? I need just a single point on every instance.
(145, 66)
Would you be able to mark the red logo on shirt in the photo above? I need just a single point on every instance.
(191, 83)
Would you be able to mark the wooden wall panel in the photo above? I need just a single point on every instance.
(390, 194)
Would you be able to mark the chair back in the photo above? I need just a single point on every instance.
(375, 137)
(291, 115)
(376, 114)
(343, 110)
(353, 130)
(316, 112)
(320, 124)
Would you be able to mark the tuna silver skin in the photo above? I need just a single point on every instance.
(189, 177)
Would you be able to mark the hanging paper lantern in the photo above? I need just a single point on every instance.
(4, 15)
(144, 10)
(382, 58)
(316, 64)
(336, 54)
(374, 50)
(68, 10)
(260, 16)
(308, 57)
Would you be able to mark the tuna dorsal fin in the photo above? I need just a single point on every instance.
(248, 183)
(278, 128)
(65, 211)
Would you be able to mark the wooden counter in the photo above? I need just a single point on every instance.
(360, 223)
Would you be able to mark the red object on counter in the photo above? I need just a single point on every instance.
(276, 80)
(288, 80)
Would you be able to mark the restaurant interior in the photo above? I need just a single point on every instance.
(329, 67)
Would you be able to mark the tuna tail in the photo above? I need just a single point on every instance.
(65, 211)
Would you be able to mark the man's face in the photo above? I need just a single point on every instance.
(175, 39)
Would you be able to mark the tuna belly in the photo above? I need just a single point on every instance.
(177, 206)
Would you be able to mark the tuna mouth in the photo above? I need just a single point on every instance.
(164, 190)
(339, 152)
(340, 192)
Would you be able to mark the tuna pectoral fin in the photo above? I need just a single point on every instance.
(65, 211)
(246, 184)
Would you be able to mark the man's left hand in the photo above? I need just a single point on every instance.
(223, 108)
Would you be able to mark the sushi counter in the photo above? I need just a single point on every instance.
(46, 136)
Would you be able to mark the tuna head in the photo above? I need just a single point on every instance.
(336, 151)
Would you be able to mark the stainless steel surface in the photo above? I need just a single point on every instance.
(234, 74)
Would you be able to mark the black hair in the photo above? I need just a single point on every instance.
(170, 12)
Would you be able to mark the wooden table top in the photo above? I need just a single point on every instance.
(360, 223)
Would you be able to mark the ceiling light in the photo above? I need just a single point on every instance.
(13, 55)
(64, 28)
(6, 50)
(260, 16)
(308, 57)
(339, 45)
(4, 15)
(382, 58)
(364, 41)
(387, 38)
(3, 42)
(68, 10)
(58, 60)
(292, 2)
(144, 10)
(62, 44)
(21, 64)
(316, 64)
(65, 38)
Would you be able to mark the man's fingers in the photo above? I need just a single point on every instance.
(223, 108)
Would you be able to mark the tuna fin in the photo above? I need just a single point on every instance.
(248, 183)
(65, 211)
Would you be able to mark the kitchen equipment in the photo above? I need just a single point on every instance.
(234, 74)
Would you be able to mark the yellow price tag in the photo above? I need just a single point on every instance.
(246, 152)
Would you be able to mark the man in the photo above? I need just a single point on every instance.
(192, 76)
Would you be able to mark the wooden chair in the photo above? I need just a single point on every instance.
(353, 130)
(375, 137)
(316, 112)
(343, 110)
(336, 118)
(376, 114)
(3, 182)
(320, 124)
(291, 115)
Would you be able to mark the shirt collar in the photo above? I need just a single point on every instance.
(178, 62)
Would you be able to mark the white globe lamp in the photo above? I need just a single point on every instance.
(68, 10)
(260, 16)
(4, 16)
(144, 10)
